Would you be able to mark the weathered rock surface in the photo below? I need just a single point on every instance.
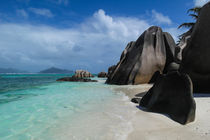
(153, 51)
(102, 75)
(196, 55)
(154, 77)
(173, 67)
(111, 70)
(75, 79)
(172, 94)
(82, 74)
(183, 43)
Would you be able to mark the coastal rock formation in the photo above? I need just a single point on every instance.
(153, 51)
(102, 75)
(82, 74)
(172, 94)
(196, 55)
(182, 44)
(75, 79)
(111, 70)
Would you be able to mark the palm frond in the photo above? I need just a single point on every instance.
(195, 10)
(194, 16)
(187, 25)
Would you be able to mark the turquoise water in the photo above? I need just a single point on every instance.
(36, 107)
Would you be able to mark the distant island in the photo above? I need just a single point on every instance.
(12, 70)
(56, 70)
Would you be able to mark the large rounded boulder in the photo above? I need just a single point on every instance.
(153, 51)
(172, 94)
(196, 55)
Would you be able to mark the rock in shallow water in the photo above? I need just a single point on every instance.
(172, 94)
(102, 75)
(135, 100)
(153, 51)
(75, 79)
(82, 74)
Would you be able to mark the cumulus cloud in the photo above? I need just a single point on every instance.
(160, 18)
(22, 12)
(200, 2)
(41, 12)
(94, 44)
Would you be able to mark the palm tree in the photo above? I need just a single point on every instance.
(187, 25)
(196, 11)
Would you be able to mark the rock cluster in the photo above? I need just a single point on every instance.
(176, 71)
(102, 75)
(153, 59)
(75, 79)
(153, 51)
(172, 94)
(82, 74)
(79, 76)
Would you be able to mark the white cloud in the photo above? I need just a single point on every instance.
(41, 12)
(22, 12)
(200, 2)
(160, 18)
(94, 44)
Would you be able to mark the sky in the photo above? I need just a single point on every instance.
(81, 34)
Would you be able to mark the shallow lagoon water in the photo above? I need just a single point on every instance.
(37, 107)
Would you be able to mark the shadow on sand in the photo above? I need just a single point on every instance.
(201, 95)
(195, 95)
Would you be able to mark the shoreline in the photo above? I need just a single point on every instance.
(154, 126)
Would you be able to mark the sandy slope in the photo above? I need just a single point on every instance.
(153, 126)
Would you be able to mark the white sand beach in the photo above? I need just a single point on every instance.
(154, 126)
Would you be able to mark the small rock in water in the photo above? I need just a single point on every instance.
(135, 100)
(75, 79)
(82, 74)
(102, 75)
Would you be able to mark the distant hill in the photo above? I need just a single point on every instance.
(56, 70)
(11, 70)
